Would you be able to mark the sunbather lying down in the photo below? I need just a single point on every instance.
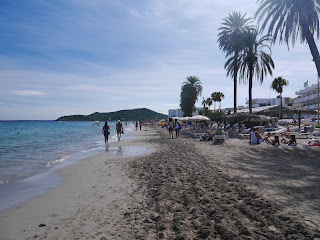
(315, 143)
(208, 135)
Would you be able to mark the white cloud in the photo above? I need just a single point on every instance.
(138, 56)
(28, 93)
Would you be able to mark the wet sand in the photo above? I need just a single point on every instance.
(184, 189)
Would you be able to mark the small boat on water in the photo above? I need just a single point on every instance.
(96, 123)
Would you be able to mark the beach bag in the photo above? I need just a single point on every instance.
(179, 126)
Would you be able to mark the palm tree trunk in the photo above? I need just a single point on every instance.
(280, 115)
(313, 49)
(250, 91)
(235, 93)
(235, 76)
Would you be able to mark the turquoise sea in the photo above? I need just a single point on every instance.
(28, 148)
(30, 151)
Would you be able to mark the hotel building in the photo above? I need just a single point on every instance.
(179, 112)
(308, 97)
(262, 102)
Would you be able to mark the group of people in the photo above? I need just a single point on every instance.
(106, 131)
(255, 138)
(174, 125)
(119, 129)
(138, 125)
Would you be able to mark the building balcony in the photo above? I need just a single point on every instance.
(306, 99)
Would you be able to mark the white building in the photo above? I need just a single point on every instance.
(308, 97)
(179, 112)
(175, 113)
(262, 102)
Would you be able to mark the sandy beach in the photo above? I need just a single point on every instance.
(154, 187)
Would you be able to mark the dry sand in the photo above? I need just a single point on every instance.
(184, 189)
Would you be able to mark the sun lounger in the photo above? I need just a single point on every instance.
(244, 135)
(307, 134)
(279, 131)
(220, 135)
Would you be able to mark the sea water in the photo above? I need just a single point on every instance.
(30, 151)
(28, 148)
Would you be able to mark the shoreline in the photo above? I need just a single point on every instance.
(182, 188)
(75, 179)
(22, 190)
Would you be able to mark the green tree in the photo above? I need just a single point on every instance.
(289, 19)
(277, 85)
(190, 91)
(214, 98)
(229, 39)
(209, 102)
(220, 96)
(254, 62)
(204, 103)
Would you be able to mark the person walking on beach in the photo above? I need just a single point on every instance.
(140, 124)
(177, 126)
(119, 129)
(106, 132)
(136, 125)
(170, 128)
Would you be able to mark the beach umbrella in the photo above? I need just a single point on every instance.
(262, 118)
(199, 118)
(185, 119)
(176, 118)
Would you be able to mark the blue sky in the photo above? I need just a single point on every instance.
(64, 57)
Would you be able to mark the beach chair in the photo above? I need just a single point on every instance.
(316, 132)
(307, 134)
(244, 135)
(219, 136)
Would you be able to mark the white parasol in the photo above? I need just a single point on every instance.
(199, 118)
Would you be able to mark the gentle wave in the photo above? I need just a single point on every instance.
(41, 145)
(61, 159)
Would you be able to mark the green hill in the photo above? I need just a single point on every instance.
(140, 114)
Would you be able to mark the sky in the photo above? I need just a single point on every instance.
(66, 57)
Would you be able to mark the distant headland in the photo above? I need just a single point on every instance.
(140, 114)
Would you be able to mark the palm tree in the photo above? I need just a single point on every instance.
(291, 18)
(190, 91)
(204, 103)
(254, 61)
(277, 85)
(209, 102)
(214, 99)
(220, 96)
(229, 39)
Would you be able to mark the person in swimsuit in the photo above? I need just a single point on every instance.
(170, 128)
(177, 127)
(119, 129)
(106, 132)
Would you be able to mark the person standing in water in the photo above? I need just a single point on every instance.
(140, 123)
(106, 132)
(119, 129)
